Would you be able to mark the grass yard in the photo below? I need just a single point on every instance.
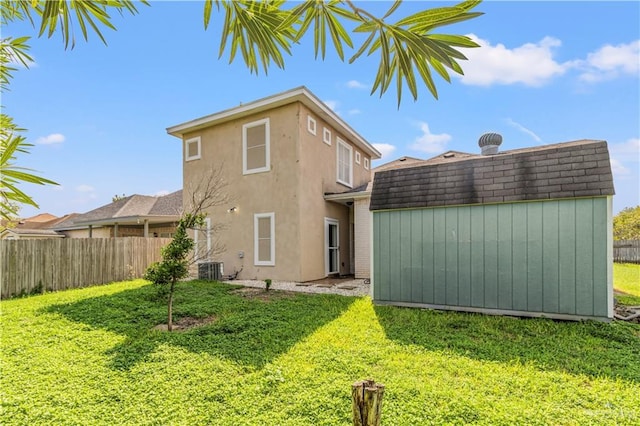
(90, 357)
(626, 279)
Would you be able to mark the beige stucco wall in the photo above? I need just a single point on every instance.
(318, 163)
(274, 191)
(303, 169)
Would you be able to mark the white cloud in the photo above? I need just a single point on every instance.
(354, 111)
(332, 104)
(51, 139)
(629, 149)
(85, 188)
(523, 129)
(385, 149)
(623, 154)
(88, 193)
(618, 168)
(531, 64)
(354, 84)
(428, 142)
(609, 62)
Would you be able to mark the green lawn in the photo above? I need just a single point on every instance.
(89, 357)
(626, 279)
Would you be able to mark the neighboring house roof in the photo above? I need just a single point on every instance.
(406, 161)
(299, 94)
(39, 218)
(170, 205)
(30, 233)
(32, 227)
(399, 163)
(565, 170)
(41, 221)
(130, 210)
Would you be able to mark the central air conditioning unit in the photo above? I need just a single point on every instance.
(210, 271)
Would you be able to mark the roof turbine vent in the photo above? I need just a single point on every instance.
(489, 143)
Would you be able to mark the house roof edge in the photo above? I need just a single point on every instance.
(300, 93)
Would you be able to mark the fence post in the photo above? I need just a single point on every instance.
(366, 397)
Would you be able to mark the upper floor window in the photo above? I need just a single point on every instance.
(192, 149)
(357, 157)
(311, 125)
(366, 163)
(345, 169)
(326, 136)
(255, 147)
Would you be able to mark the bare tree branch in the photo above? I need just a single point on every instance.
(204, 194)
(208, 192)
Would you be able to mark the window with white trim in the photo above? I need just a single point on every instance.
(192, 149)
(311, 125)
(256, 156)
(345, 169)
(202, 241)
(326, 136)
(366, 163)
(357, 157)
(264, 239)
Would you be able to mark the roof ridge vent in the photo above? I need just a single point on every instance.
(489, 143)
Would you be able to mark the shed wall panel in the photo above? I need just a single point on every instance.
(545, 258)
(519, 257)
(600, 263)
(464, 256)
(428, 256)
(550, 253)
(416, 256)
(505, 257)
(439, 256)
(584, 258)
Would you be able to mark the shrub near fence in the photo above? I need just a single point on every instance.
(53, 264)
(626, 251)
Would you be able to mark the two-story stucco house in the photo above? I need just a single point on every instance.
(294, 170)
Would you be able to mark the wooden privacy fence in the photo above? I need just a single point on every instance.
(626, 251)
(58, 264)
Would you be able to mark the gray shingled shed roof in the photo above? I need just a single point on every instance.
(564, 170)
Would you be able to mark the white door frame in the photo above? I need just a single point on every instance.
(328, 222)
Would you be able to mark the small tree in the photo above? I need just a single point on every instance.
(626, 224)
(175, 261)
(179, 254)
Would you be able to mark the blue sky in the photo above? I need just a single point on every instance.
(97, 115)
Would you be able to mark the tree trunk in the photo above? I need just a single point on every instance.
(366, 399)
(170, 309)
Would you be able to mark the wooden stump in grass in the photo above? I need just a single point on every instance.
(366, 397)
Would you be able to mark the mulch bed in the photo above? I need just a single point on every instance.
(187, 323)
(262, 294)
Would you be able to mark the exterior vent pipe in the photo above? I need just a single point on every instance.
(489, 143)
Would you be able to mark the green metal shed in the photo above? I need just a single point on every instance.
(526, 232)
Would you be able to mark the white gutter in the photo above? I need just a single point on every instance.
(300, 94)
